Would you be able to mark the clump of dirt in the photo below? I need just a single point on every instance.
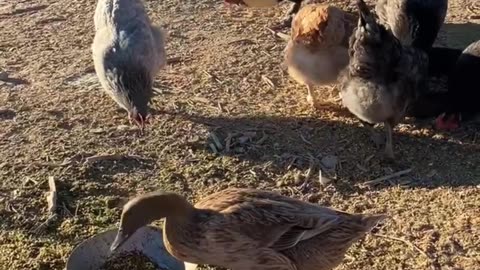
(130, 260)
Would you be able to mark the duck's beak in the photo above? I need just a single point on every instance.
(119, 240)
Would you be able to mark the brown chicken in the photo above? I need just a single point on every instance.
(318, 49)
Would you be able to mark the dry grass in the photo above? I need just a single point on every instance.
(227, 115)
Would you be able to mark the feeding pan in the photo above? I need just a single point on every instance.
(92, 253)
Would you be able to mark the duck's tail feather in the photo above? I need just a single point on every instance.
(369, 222)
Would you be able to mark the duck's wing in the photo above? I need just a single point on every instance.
(297, 233)
(270, 219)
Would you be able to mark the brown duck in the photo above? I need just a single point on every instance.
(248, 229)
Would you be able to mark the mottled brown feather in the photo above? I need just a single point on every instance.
(319, 26)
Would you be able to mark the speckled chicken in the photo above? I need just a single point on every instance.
(128, 52)
(413, 22)
(248, 229)
(318, 48)
(383, 77)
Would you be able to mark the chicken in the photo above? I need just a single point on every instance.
(441, 63)
(318, 48)
(383, 76)
(287, 21)
(127, 53)
(463, 92)
(413, 22)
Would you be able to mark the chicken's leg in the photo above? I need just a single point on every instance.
(311, 99)
(388, 144)
(376, 138)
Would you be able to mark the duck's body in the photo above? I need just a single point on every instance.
(318, 49)
(383, 77)
(128, 52)
(413, 22)
(252, 229)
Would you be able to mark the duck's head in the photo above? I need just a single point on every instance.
(142, 210)
(254, 3)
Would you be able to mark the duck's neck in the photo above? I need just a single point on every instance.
(181, 235)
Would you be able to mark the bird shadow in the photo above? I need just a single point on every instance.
(288, 143)
(458, 35)
(104, 171)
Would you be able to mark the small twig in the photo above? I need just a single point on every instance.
(305, 140)
(93, 159)
(268, 81)
(412, 245)
(174, 60)
(246, 40)
(216, 141)
(387, 177)
(213, 76)
(46, 223)
(262, 140)
(311, 167)
(201, 99)
(279, 34)
(158, 90)
(76, 210)
(228, 142)
(52, 196)
(214, 149)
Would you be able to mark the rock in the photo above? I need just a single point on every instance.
(3, 75)
(329, 162)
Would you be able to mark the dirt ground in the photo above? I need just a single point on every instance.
(225, 80)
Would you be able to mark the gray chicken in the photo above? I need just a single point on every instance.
(383, 76)
(127, 52)
(413, 22)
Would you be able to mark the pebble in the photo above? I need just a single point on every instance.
(329, 162)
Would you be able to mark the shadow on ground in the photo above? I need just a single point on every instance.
(459, 35)
(451, 160)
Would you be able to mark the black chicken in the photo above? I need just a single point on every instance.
(413, 22)
(383, 76)
(463, 92)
